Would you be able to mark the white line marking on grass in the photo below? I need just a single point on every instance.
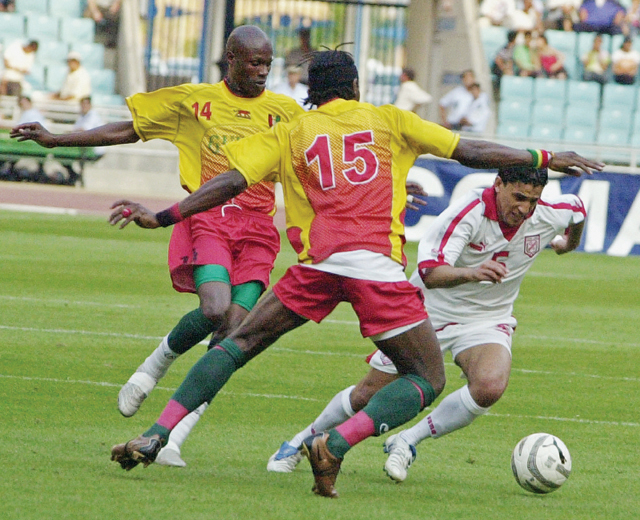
(39, 209)
(68, 302)
(81, 332)
(300, 398)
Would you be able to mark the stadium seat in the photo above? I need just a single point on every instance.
(573, 67)
(615, 119)
(52, 52)
(36, 77)
(636, 123)
(548, 89)
(585, 43)
(546, 132)
(103, 81)
(612, 137)
(56, 75)
(107, 100)
(616, 42)
(516, 87)
(513, 129)
(42, 26)
(77, 30)
(581, 113)
(588, 91)
(11, 26)
(493, 39)
(32, 6)
(547, 112)
(579, 134)
(66, 8)
(92, 54)
(620, 96)
(515, 110)
(564, 41)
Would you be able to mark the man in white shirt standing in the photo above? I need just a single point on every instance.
(454, 105)
(292, 86)
(18, 60)
(410, 95)
(477, 117)
(77, 84)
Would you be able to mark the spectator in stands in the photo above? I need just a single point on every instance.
(292, 87)
(299, 56)
(551, 59)
(454, 105)
(106, 14)
(7, 6)
(18, 60)
(496, 12)
(624, 63)
(602, 16)
(479, 112)
(77, 84)
(503, 62)
(29, 113)
(633, 18)
(562, 14)
(526, 58)
(410, 95)
(596, 62)
(528, 16)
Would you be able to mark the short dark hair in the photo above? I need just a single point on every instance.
(33, 44)
(524, 174)
(409, 73)
(331, 75)
(512, 35)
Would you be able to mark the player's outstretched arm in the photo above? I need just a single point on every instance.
(121, 132)
(217, 191)
(415, 196)
(445, 276)
(485, 154)
(570, 240)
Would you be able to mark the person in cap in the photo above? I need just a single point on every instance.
(77, 84)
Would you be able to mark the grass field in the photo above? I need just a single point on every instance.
(82, 304)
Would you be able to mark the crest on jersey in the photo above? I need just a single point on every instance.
(532, 245)
(273, 120)
(244, 114)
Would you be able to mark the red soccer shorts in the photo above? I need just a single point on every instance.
(246, 243)
(380, 306)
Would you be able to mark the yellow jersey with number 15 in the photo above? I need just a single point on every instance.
(200, 119)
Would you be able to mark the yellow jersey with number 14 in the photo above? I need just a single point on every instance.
(200, 119)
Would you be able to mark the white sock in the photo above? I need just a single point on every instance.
(159, 361)
(336, 412)
(456, 411)
(182, 430)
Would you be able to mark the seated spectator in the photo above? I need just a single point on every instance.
(77, 84)
(410, 96)
(603, 16)
(496, 12)
(478, 113)
(562, 14)
(527, 16)
(292, 87)
(454, 105)
(299, 56)
(106, 14)
(596, 62)
(7, 6)
(633, 18)
(503, 62)
(551, 59)
(624, 63)
(525, 58)
(29, 113)
(18, 60)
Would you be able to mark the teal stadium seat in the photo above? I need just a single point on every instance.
(67, 8)
(92, 54)
(548, 89)
(636, 123)
(615, 119)
(42, 27)
(11, 26)
(565, 42)
(36, 77)
(548, 132)
(106, 100)
(51, 52)
(493, 39)
(581, 113)
(587, 91)
(73, 30)
(516, 87)
(613, 137)
(580, 134)
(514, 110)
(103, 81)
(620, 96)
(32, 6)
(513, 129)
(547, 112)
(56, 75)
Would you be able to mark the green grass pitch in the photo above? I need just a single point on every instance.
(82, 304)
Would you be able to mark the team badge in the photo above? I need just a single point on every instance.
(244, 114)
(273, 120)
(532, 245)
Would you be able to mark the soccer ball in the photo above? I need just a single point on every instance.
(541, 463)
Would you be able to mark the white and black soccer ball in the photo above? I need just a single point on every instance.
(541, 463)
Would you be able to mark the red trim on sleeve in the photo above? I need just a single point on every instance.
(450, 229)
(566, 205)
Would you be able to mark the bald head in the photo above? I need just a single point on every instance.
(249, 54)
(246, 37)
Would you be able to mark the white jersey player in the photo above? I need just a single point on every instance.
(471, 263)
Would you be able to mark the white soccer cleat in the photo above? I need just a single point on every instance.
(401, 455)
(285, 459)
(170, 456)
(134, 392)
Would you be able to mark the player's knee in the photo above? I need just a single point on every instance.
(360, 396)
(214, 312)
(488, 391)
(438, 381)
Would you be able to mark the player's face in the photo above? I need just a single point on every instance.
(249, 68)
(516, 201)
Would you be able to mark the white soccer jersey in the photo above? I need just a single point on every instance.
(467, 234)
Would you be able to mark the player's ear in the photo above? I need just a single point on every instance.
(498, 184)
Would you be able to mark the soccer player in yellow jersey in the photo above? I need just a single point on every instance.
(227, 254)
(343, 169)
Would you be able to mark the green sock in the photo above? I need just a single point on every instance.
(190, 330)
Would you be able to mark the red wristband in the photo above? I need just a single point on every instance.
(169, 217)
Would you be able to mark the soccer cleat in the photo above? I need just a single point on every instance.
(170, 456)
(325, 466)
(285, 459)
(134, 392)
(401, 455)
(139, 450)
